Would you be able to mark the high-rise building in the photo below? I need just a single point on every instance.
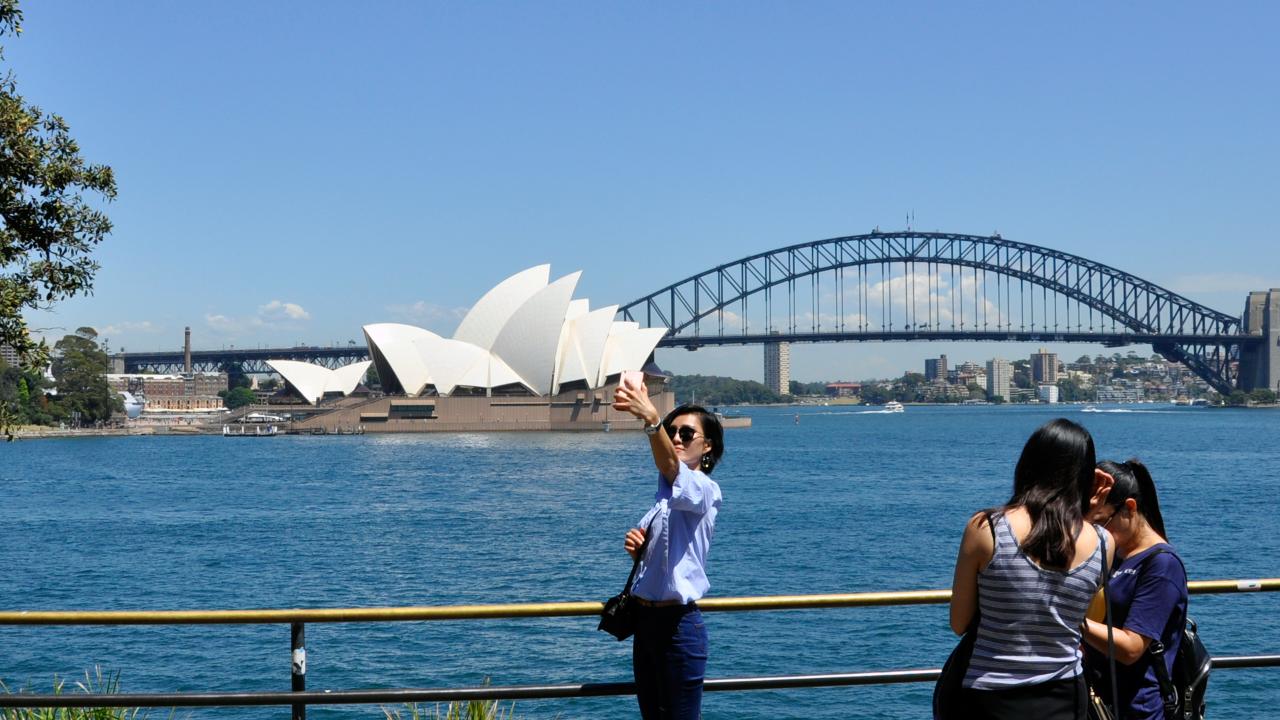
(935, 368)
(8, 355)
(777, 367)
(999, 378)
(1044, 367)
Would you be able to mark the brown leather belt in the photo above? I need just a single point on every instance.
(642, 602)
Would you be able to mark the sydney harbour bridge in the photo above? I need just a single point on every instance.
(902, 286)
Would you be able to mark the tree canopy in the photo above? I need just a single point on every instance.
(80, 368)
(710, 390)
(47, 228)
(237, 397)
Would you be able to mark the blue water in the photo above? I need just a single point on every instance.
(843, 501)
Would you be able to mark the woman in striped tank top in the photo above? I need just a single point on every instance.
(1027, 571)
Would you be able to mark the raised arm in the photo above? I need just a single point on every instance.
(638, 404)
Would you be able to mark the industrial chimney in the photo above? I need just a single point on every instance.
(186, 351)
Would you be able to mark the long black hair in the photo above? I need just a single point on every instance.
(1053, 481)
(1133, 480)
(711, 431)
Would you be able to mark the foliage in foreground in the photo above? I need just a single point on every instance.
(47, 226)
(469, 710)
(97, 683)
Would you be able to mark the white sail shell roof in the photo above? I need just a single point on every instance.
(627, 348)
(524, 331)
(529, 340)
(486, 319)
(582, 346)
(313, 381)
(396, 343)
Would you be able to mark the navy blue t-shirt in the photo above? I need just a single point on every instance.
(1148, 596)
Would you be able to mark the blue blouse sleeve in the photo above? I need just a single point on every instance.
(693, 491)
(1160, 590)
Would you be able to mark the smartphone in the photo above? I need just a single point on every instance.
(632, 380)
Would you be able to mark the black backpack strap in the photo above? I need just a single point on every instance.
(1168, 692)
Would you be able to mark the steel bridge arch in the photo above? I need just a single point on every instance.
(1180, 329)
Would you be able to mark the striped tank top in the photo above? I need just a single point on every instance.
(1029, 629)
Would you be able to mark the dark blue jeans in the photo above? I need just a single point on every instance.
(669, 657)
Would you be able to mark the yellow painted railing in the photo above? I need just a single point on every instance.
(299, 698)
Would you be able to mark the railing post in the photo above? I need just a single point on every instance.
(298, 643)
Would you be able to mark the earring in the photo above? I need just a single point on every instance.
(706, 462)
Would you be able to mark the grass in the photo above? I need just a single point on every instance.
(469, 710)
(94, 683)
(456, 710)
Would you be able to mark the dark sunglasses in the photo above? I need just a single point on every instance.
(686, 433)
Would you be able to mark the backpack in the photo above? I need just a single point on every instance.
(1184, 691)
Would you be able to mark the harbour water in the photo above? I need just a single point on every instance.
(845, 500)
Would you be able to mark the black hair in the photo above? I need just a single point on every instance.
(712, 431)
(1133, 480)
(1053, 481)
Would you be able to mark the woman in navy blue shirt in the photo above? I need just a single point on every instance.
(1148, 593)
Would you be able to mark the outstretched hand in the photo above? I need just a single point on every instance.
(636, 402)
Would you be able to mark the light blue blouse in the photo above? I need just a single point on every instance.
(674, 566)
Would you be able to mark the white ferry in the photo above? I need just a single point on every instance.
(257, 430)
(893, 406)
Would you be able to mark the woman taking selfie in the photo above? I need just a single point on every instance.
(669, 654)
(1148, 594)
(1028, 569)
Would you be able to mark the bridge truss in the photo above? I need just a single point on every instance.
(939, 286)
(248, 360)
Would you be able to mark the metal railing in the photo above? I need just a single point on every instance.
(299, 698)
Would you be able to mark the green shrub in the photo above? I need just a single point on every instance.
(97, 683)
(469, 710)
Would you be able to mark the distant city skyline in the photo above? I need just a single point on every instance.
(290, 173)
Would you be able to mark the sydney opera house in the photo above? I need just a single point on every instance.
(527, 356)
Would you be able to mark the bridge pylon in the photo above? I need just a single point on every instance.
(1260, 364)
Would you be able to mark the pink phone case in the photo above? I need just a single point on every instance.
(632, 379)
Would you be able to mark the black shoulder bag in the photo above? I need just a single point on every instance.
(619, 615)
(947, 704)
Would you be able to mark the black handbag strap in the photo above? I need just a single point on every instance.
(1111, 640)
(635, 564)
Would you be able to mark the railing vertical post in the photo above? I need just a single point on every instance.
(298, 644)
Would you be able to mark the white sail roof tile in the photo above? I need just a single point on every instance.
(490, 314)
(529, 340)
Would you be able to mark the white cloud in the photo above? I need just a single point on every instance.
(278, 310)
(128, 327)
(426, 313)
(221, 323)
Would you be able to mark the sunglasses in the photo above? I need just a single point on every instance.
(686, 433)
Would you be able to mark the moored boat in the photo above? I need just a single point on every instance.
(258, 430)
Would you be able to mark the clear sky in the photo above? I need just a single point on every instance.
(290, 171)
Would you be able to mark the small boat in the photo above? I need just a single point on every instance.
(245, 430)
(893, 406)
(1090, 408)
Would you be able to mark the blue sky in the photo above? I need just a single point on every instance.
(291, 171)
